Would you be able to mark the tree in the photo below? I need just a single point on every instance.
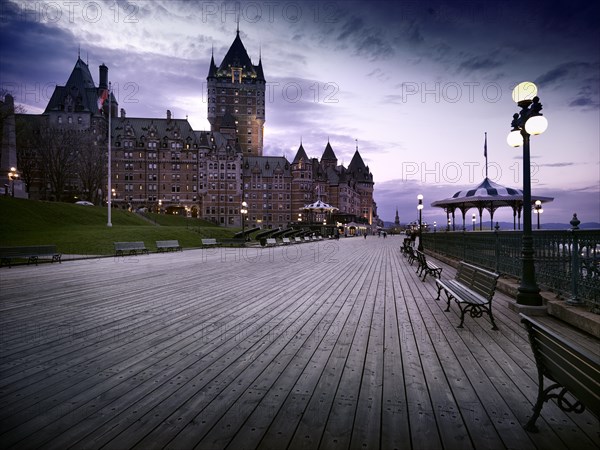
(91, 166)
(58, 151)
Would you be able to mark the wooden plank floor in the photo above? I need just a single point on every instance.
(322, 345)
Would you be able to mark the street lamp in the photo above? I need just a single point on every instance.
(473, 220)
(434, 226)
(159, 205)
(420, 208)
(525, 123)
(12, 175)
(538, 210)
(244, 211)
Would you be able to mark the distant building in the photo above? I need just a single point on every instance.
(162, 164)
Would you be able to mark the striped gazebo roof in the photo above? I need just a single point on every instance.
(485, 195)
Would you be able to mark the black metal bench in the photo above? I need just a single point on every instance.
(411, 254)
(132, 248)
(31, 252)
(569, 367)
(473, 289)
(427, 267)
(168, 246)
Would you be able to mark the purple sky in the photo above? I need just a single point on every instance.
(415, 83)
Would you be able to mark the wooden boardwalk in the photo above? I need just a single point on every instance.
(322, 345)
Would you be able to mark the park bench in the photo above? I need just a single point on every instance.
(307, 238)
(407, 245)
(286, 241)
(569, 367)
(31, 252)
(473, 289)
(209, 242)
(410, 253)
(132, 248)
(161, 246)
(298, 240)
(271, 242)
(427, 267)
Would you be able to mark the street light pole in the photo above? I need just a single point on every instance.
(420, 208)
(527, 122)
(473, 220)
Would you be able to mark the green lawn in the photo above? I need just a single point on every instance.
(82, 230)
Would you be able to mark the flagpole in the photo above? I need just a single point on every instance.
(485, 154)
(109, 223)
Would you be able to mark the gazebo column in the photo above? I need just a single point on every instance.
(453, 221)
(480, 209)
(463, 212)
(514, 218)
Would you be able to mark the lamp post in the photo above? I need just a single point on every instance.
(434, 226)
(525, 123)
(12, 175)
(538, 210)
(420, 208)
(473, 220)
(244, 211)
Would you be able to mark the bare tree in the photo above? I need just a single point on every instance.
(27, 152)
(58, 151)
(91, 166)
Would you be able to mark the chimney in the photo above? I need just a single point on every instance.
(168, 115)
(122, 113)
(103, 77)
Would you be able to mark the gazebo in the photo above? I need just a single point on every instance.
(487, 196)
(318, 209)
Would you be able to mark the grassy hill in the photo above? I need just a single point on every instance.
(82, 230)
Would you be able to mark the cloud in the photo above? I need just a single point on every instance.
(477, 63)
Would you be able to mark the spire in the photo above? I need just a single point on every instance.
(301, 154)
(79, 51)
(328, 154)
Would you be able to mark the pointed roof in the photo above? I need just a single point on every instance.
(259, 70)
(357, 164)
(236, 56)
(79, 94)
(328, 154)
(300, 154)
(212, 69)
(81, 76)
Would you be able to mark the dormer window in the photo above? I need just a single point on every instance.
(236, 75)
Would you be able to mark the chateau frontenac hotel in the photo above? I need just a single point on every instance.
(163, 164)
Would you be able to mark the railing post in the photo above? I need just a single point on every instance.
(574, 300)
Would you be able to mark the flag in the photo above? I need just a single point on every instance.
(102, 98)
(485, 146)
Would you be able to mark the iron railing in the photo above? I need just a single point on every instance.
(573, 275)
